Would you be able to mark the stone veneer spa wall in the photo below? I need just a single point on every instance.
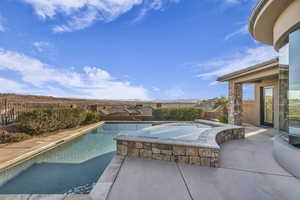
(204, 152)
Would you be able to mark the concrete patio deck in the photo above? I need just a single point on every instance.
(248, 171)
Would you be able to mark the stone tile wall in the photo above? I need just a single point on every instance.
(227, 135)
(199, 155)
(235, 107)
(283, 98)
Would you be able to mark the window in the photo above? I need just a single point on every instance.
(294, 83)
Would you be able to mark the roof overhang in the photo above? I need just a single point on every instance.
(263, 19)
(252, 71)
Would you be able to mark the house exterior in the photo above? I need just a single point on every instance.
(277, 82)
(277, 23)
(270, 97)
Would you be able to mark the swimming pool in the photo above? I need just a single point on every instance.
(74, 167)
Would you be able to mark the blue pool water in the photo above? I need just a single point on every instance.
(73, 167)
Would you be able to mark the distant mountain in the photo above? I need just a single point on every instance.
(51, 99)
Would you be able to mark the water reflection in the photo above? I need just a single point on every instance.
(294, 83)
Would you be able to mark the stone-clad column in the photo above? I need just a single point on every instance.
(283, 98)
(235, 110)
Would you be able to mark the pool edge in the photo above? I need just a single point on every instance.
(16, 161)
(104, 184)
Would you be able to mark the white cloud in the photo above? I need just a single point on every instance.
(175, 93)
(152, 5)
(92, 82)
(96, 74)
(34, 71)
(41, 46)
(10, 86)
(235, 1)
(241, 31)
(242, 59)
(155, 89)
(83, 13)
(232, 1)
(213, 83)
(78, 22)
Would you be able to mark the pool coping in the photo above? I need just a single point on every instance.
(104, 184)
(28, 155)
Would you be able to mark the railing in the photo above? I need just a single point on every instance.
(9, 112)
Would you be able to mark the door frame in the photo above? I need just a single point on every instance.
(262, 106)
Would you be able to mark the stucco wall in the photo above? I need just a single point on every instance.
(252, 109)
(272, 21)
(249, 112)
(288, 21)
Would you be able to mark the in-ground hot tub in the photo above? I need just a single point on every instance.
(175, 130)
(185, 142)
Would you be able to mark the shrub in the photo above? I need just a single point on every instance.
(6, 137)
(222, 105)
(221, 102)
(179, 114)
(223, 119)
(91, 117)
(12, 128)
(37, 122)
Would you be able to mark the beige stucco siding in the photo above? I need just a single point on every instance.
(249, 112)
(262, 21)
(288, 21)
(272, 21)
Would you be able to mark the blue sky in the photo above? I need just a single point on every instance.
(125, 49)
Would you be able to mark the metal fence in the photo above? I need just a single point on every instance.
(9, 111)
